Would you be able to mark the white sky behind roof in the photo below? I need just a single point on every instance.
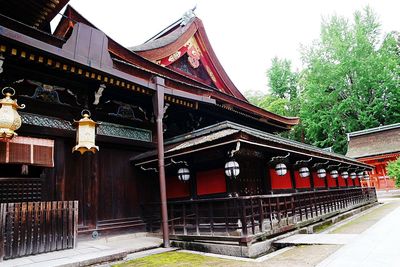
(245, 35)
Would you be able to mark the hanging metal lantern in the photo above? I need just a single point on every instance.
(353, 175)
(183, 174)
(85, 134)
(360, 175)
(345, 175)
(304, 172)
(10, 120)
(232, 169)
(334, 174)
(321, 173)
(280, 169)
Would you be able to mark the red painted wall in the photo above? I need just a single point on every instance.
(331, 181)
(301, 182)
(176, 188)
(211, 182)
(318, 182)
(349, 182)
(357, 182)
(280, 182)
(342, 182)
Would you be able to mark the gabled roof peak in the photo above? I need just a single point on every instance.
(188, 16)
(186, 19)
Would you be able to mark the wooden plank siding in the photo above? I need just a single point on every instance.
(30, 228)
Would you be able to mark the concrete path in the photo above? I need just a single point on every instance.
(317, 239)
(90, 252)
(377, 246)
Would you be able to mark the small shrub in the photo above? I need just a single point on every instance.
(393, 170)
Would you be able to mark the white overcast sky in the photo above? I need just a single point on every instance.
(245, 35)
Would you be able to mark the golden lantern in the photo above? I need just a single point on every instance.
(85, 134)
(10, 120)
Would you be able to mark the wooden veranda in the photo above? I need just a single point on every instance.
(246, 219)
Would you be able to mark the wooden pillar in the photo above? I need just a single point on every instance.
(193, 182)
(326, 181)
(54, 178)
(312, 186)
(94, 189)
(158, 105)
(266, 180)
(90, 188)
(292, 177)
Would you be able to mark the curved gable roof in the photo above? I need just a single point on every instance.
(174, 37)
(229, 97)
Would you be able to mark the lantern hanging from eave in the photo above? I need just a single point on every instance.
(304, 172)
(345, 175)
(321, 173)
(334, 174)
(10, 120)
(281, 169)
(85, 134)
(232, 169)
(183, 174)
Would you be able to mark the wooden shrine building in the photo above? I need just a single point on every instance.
(376, 147)
(224, 175)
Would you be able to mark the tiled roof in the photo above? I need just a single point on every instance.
(225, 129)
(374, 141)
(375, 130)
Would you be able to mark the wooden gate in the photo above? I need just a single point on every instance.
(30, 228)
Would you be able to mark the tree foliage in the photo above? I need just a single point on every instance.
(350, 81)
(393, 170)
(282, 80)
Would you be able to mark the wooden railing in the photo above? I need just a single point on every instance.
(240, 217)
(30, 228)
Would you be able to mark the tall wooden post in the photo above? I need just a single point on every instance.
(292, 177)
(158, 105)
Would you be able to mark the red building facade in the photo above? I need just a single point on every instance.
(376, 147)
(172, 86)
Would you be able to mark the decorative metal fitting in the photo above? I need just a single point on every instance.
(85, 134)
(10, 120)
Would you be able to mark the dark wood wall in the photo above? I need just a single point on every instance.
(105, 183)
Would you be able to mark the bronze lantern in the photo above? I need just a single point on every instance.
(85, 134)
(10, 120)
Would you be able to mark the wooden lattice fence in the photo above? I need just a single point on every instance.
(30, 228)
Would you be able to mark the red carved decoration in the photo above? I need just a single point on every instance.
(342, 182)
(176, 188)
(280, 182)
(301, 182)
(211, 182)
(350, 182)
(331, 181)
(318, 182)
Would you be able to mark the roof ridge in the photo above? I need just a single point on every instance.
(374, 130)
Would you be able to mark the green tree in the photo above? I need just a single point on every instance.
(351, 80)
(269, 102)
(393, 170)
(282, 80)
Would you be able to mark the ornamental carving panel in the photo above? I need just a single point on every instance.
(121, 131)
(105, 128)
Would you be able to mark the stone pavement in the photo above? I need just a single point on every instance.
(90, 252)
(316, 239)
(377, 246)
